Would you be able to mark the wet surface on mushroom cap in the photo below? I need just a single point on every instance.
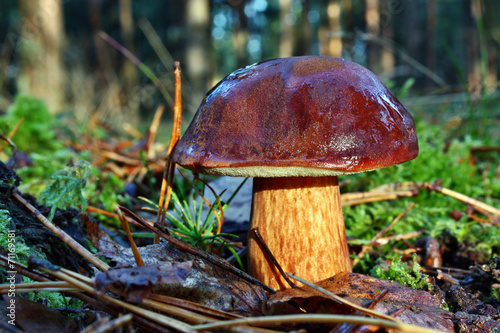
(312, 112)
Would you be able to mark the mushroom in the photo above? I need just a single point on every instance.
(294, 125)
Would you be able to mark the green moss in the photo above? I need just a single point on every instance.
(495, 294)
(14, 244)
(53, 299)
(37, 131)
(442, 159)
(399, 272)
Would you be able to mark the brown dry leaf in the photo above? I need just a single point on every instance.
(99, 238)
(137, 283)
(35, 317)
(422, 308)
(206, 284)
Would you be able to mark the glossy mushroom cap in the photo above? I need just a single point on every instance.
(298, 116)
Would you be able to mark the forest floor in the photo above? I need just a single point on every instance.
(424, 239)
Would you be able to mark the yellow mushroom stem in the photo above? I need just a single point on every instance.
(300, 219)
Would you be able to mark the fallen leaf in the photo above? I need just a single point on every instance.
(35, 317)
(422, 308)
(100, 239)
(206, 284)
(136, 283)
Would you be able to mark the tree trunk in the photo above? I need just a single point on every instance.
(303, 32)
(330, 34)
(431, 33)
(41, 70)
(475, 73)
(387, 57)
(240, 37)
(128, 69)
(197, 55)
(373, 50)
(412, 30)
(490, 18)
(129, 74)
(286, 38)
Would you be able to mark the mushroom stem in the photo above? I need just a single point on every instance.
(301, 221)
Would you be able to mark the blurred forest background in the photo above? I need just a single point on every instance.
(431, 53)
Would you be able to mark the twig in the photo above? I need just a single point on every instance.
(378, 298)
(365, 248)
(197, 252)
(357, 198)
(62, 235)
(129, 129)
(79, 277)
(446, 277)
(111, 155)
(194, 307)
(145, 69)
(106, 325)
(408, 235)
(133, 246)
(316, 319)
(157, 303)
(461, 197)
(341, 300)
(174, 311)
(375, 328)
(490, 220)
(161, 51)
(168, 171)
(96, 210)
(396, 220)
(403, 54)
(265, 248)
(20, 289)
(7, 139)
(153, 316)
(22, 269)
(99, 304)
(153, 129)
(36, 285)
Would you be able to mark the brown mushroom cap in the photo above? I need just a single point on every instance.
(298, 116)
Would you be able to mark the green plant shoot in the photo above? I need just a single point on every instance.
(66, 188)
(191, 224)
